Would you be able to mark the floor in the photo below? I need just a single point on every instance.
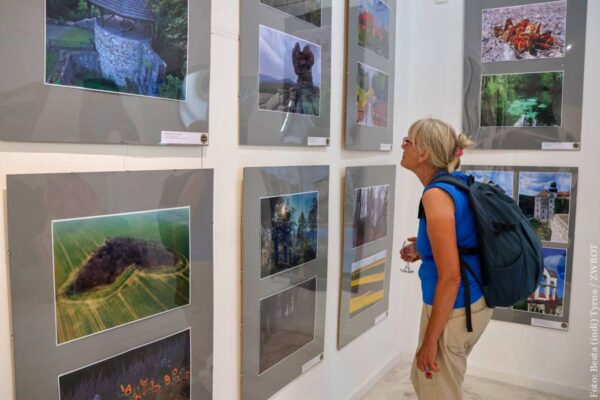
(396, 386)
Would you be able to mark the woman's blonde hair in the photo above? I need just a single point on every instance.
(440, 139)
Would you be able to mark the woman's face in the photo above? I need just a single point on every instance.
(410, 154)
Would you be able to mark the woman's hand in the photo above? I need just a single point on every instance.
(409, 252)
(426, 357)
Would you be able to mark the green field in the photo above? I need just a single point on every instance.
(136, 293)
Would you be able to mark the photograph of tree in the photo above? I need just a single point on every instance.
(287, 323)
(128, 46)
(306, 10)
(544, 198)
(111, 270)
(371, 96)
(288, 232)
(522, 100)
(289, 73)
(504, 179)
(548, 297)
(526, 32)
(156, 371)
(367, 285)
(370, 214)
(374, 26)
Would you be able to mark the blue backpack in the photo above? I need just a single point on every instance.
(512, 263)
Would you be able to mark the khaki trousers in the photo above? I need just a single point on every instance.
(454, 346)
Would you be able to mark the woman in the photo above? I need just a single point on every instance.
(432, 148)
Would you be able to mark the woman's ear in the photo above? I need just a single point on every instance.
(423, 155)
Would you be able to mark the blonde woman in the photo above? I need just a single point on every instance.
(432, 148)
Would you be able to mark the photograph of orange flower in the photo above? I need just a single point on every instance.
(156, 371)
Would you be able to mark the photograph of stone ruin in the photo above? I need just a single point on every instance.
(127, 46)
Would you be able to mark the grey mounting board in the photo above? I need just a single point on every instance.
(33, 111)
(367, 249)
(287, 356)
(33, 202)
(563, 135)
(270, 126)
(365, 132)
(558, 240)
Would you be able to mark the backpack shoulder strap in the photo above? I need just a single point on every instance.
(450, 180)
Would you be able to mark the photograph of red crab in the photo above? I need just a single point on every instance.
(525, 32)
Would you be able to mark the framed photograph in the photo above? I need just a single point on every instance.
(100, 264)
(105, 71)
(289, 231)
(284, 275)
(504, 179)
(523, 73)
(371, 97)
(524, 32)
(374, 24)
(306, 10)
(370, 214)
(160, 370)
(548, 198)
(285, 72)
(118, 46)
(116, 269)
(545, 198)
(369, 88)
(367, 245)
(289, 73)
(368, 279)
(287, 323)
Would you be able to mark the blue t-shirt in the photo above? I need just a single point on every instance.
(466, 236)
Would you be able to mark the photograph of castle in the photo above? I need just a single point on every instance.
(524, 32)
(374, 26)
(135, 47)
(288, 232)
(289, 70)
(544, 198)
(112, 270)
(548, 297)
(156, 371)
(287, 322)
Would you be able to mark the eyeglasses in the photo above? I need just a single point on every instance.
(406, 141)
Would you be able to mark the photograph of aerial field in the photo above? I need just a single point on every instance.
(115, 269)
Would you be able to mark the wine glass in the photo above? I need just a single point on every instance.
(406, 247)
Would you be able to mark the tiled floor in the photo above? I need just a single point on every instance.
(396, 386)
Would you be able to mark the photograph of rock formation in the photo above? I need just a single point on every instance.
(128, 46)
(112, 270)
(371, 96)
(289, 73)
(374, 26)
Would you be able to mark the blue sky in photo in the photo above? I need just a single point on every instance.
(504, 179)
(556, 260)
(275, 55)
(379, 9)
(531, 183)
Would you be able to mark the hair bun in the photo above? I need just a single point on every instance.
(463, 142)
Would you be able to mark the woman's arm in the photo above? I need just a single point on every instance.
(441, 229)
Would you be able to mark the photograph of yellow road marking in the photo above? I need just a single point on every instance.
(367, 284)
(115, 269)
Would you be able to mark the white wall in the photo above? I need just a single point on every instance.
(537, 357)
(429, 71)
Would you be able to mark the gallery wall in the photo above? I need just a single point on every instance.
(428, 82)
(543, 358)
